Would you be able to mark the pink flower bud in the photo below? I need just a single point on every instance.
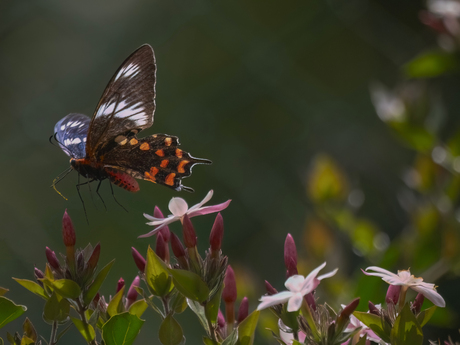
(270, 289)
(393, 294)
(177, 247)
(68, 231)
(188, 232)
(38, 274)
(138, 259)
(131, 296)
(220, 320)
(217, 233)
(52, 259)
(310, 299)
(290, 256)
(120, 284)
(164, 231)
(94, 258)
(229, 293)
(243, 310)
(373, 309)
(344, 316)
(418, 302)
(160, 248)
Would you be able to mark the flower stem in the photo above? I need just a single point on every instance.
(54, 328)
(81, 312)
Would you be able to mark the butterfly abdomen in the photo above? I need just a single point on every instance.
(122, 180)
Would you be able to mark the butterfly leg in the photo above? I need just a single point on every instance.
(113, 194)
(97, 192)
(82, 202)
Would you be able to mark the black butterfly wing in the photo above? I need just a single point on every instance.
(127, 104)
(156, 158)
(70, 133)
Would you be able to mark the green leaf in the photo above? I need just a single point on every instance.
(212, 306)
(232, 339)
(32, 287)
(26, 340)
(198, 309)
(425, 315)
(374, 322)
(190, 285)
(65, 287)
(29, 329)
(87, 331)
(157, 274)
(64, 331)
(178, 303)
(138, 308)
(9, 311)
(96, 285)
(1, 342)
(148, 299)
(208, 341)
(170, 331)
(56, 309)
(114, 306)
(406, 329)
(247, 328)
(431, 64)
(121, 329)
(362, 340)
(3, 291)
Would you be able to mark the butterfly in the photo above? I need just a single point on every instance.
(107, 146)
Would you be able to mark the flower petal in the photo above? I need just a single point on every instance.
(178, 207)
(310, 279)
(165, 222)
(294, 283)
(295, 302)
(204, 201)
(383, 272)
(149, 217)
(328, 275)
(431, 294)
(279, 298)
(209, 209)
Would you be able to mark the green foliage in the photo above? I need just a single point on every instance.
(190, 285)
(9, 311)
(121, 329)
(431, 64)
(406, 329)
(86, 330)
(33, 287)
(247, 328)
(170, 331)
(97, 283)
(56, 309)
(157, 275)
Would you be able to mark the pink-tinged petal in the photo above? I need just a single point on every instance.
(328, 275)
(295, 302)
(315, 272)
(209, 209)
(269, 301)
(310, 279)
(382, 270)
(178, 207)
(204, 201)
(310, 286)
(154, 231)
(431, 294)
(152, 218)
(294, 283)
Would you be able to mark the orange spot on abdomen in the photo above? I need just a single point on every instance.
(145, 146)
(170, 179)
(180, 167)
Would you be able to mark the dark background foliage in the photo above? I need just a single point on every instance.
(259, 87)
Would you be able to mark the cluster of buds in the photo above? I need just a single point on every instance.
(301, 318)
(78, 265)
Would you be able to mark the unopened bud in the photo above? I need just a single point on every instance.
(52, 259)
(165, 229)
(220, 320)
(229, 293)
(189, 233)
(310, 299)
(94, 258)
(290, 256)
(160, 248)
(131, 296)
(418, 302)
(393, 294)
(243, 310)
(217, 233)
(38, 274)
(270, 289)
(120, 284)
(80, 262)
(68, 231)
(373, 309)
(138, 259)
(177, 247)
(344, 316)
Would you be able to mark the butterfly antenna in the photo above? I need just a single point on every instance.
(97, 192)
(82, 202)
(113, 194)
(59, 178)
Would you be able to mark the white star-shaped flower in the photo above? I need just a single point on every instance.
(405, 279)
(179, 209)
(298, 287)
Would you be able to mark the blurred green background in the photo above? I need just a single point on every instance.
(276, 94)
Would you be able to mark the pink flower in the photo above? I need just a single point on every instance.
(406, 280)
(179, 209)
(298, 287)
